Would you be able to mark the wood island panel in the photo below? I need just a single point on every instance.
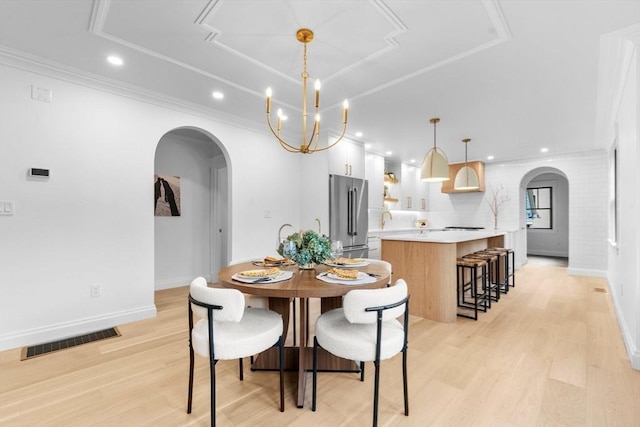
(420, 264)
(430, 272)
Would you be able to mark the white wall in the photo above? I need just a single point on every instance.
(183, 248)
(91, 221)
(554, 242)
(624, 268)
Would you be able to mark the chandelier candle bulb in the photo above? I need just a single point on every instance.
(317, 94)
(269, 93)
(345, 107)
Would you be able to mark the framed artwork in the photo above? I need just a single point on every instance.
(167, 195)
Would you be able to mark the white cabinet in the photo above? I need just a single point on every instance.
(408, 187)
(422, 192)
(414, 191)
(347, 158)
(374, 173)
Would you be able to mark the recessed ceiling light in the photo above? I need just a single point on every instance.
(115, 60)
(368, 145)
(490, 157)
(217, 95)
(358, 134)
(544, 150)
(388, 153)
(412, 160)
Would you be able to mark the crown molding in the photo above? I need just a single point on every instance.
(34, 64)
(616, 52)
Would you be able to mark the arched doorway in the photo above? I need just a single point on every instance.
(191, 236)
(544, 214)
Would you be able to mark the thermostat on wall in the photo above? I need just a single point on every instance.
(44, 173)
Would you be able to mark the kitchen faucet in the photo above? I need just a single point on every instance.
(319, 226)
(382, 218)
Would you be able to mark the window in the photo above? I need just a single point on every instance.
(539, 208)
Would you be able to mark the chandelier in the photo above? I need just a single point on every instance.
(309, 143)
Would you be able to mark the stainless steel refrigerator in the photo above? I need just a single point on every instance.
(348, 214)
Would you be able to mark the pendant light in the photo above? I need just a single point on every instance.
(435, 166)
(466, 178)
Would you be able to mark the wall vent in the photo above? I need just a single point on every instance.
(50, 347)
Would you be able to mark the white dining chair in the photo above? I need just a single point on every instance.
(366, 329)
(229, 330)
(263, 302)
(384, 263)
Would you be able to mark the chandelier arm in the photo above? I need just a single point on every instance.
(344, 130)
(315, 134)
(282, 142)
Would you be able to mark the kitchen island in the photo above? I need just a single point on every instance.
(427, 261)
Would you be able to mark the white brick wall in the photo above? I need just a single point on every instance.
(587, 176)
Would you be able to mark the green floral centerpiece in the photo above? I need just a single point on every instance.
(311, 248)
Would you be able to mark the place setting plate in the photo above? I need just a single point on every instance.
(361, 279)
(348, 262)
(262, 276)
(283, 263)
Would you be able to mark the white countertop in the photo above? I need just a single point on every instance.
(443, 236)
(381, 231)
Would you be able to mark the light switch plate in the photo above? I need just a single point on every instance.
(6, 207)
(41, 94)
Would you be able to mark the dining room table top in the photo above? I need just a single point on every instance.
(303, 283)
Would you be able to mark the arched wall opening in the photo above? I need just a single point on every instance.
(554, 241)
(191, 208)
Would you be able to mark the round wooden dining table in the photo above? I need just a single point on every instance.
(302, 285)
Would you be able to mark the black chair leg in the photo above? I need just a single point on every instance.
(190, 394)
(281, 348)
(315, 373)
(241, 369)
(404, 380)
(375, 393)
(361, 371)
(212, 367)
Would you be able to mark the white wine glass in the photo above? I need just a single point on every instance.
(336, 250)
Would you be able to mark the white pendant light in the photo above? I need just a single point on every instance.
(435, 166)
(466, 178)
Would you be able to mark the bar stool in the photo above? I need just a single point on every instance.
(469, 267)
(493, 282)
(500, 271)
(506, 273)
(510, 266)
(492, 267)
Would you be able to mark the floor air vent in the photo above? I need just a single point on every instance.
(600, 290)
(50, 347)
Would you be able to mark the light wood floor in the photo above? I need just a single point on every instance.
(549, 353)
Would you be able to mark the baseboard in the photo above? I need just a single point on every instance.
(176, 282)
(78, 327)
(632, 350)
(551, 253)
(571, 271)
